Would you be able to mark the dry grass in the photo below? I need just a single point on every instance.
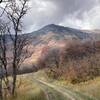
(27, 90)
(91, 87)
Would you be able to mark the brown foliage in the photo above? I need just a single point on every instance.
(78, 62)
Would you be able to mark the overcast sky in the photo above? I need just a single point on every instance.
(81, 14)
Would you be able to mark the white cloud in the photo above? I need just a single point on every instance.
(93, 18)
(84, 14)
(90, 20)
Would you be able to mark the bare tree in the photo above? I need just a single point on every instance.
(53, 57)
(50, 59)
(3, 57)
(2, 1)
(1, 94)
(15, 13)
(16, 9)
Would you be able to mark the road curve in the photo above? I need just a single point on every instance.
(67, 94)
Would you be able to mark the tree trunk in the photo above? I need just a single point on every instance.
(1, 95)
(14, 80)
(14, 85)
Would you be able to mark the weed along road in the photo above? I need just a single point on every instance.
(54, 92)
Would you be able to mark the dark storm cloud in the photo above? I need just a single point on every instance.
(71, 13)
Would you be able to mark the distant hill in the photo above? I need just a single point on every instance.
(95, 34)
(61, 31)
(55, 34)
(52, 36)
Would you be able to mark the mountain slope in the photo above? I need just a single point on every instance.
(54, 36)
(60, 30)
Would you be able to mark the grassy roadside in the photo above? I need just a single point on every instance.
(91, 87)
(27, 90)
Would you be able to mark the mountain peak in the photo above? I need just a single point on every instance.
(54, 28)
(51, 26)
(61, 30)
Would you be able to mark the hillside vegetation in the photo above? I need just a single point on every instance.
(75, 68)
(76, 62)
